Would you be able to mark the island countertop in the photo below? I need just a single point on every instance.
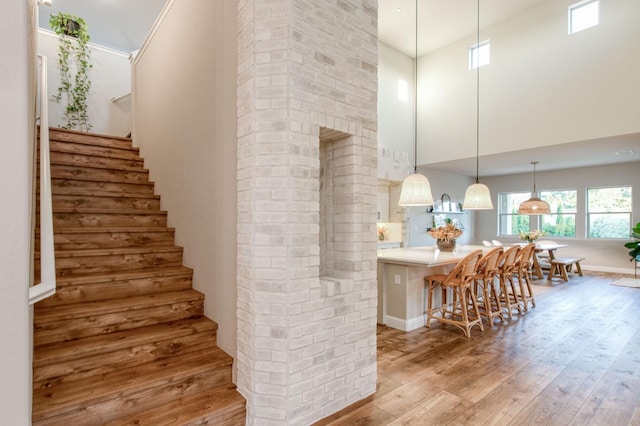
(425, 256)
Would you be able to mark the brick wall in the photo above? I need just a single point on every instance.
(307, 157)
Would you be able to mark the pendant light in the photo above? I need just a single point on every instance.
(534, 205)
(416, 189)
(477, 196)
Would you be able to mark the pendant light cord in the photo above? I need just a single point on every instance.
(415, 101)
(478, 98)
(535, 194)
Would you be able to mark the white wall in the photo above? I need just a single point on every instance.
(185, 112)
(543, 87)
(395, 117)
(603, 255)
(15, 214)
(110, 76)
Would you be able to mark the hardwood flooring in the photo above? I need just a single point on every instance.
(574, 359)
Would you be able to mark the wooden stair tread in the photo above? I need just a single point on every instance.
(111, 229)
(107, 211)
(50, 314)
(63, 351)
(92, 139)
(57, 132)
(95, 165)
(122, 384)
(67, 189)
(89, 193)
(124, 250)
(221, 405)
(124, 275)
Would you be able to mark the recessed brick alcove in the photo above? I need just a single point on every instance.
(307, 184)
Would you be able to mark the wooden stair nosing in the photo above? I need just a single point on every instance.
(151, 384)
(126, 275)
(92, 292)
(111, 229)
(107, 362)
(109, 211)
(220, 405)
(79, 158)
(65, 254)
(77, 328)
(94, 150)
(89, 137)
(75, 311)
(93, 345)
(103, 175)
(97, 165)
(84, 186)
(103, 194)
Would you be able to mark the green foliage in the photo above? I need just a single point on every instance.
(634, 253)
(73, 50)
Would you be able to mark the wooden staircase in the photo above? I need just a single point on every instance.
(124, 340)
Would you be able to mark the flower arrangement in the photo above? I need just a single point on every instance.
(448, 232)
(382, 231)
(531, 236)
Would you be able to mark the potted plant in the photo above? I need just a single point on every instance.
(446, 235)
(634, 246)
(73, 55)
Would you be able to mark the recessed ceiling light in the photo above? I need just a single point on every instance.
(399, 9)
(625, 153)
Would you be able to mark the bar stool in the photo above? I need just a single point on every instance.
(508, 292)
(524, 263)
(489, 302)
(459, 281)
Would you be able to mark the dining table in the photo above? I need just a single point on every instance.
(550, 248)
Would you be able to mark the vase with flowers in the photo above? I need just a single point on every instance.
(446, 235)
(531, 236)
(382, 231)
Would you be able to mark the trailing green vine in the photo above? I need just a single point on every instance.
(73, 46)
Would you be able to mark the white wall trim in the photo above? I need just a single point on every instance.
(152, 32)
(405, 325)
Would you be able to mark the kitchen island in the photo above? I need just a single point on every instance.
(401, 273)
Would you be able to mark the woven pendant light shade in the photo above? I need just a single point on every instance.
(416, 191)
(534, 205)
(477, 197)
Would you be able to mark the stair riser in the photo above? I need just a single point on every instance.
(116, 262)
(88, 160)
(106, 240)
(109, 175)
(72, 186)
(125, 203)
(69, 329)
(92, 139)
(97, 151)
(66, 294)
(104, 411)
(74, 220)
(92, 366)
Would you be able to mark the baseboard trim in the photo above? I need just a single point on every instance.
(405, 325)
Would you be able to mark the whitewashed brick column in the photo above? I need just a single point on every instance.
(307, 93)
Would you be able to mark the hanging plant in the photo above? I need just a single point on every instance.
(73, 49)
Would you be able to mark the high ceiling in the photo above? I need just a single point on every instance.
(124, 24)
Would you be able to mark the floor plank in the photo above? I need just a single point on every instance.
(574, 359)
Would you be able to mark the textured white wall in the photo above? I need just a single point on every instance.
(15, 214)
(185, 97)
(110, 76)
(543, 87)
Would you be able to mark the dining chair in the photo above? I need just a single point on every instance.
(523, 272)
(487, 243)
(509, 295)
(455, 311)
(489, 300)
(497, 243)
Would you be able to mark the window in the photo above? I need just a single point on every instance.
(479, 54)
(583, 15)
(403, 90)
(562, 220)
(609, 212)
(509, 221)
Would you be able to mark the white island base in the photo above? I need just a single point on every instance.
(401, 289)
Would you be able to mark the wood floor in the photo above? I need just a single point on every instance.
(572, 360)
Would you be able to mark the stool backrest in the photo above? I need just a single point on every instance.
(525, 256)
(488, 264)
(508, 259)
(465, 269)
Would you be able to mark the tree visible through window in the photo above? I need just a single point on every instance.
(562, 220)
(609, 212)
(509, 221)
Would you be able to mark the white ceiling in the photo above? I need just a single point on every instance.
(124, 24)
